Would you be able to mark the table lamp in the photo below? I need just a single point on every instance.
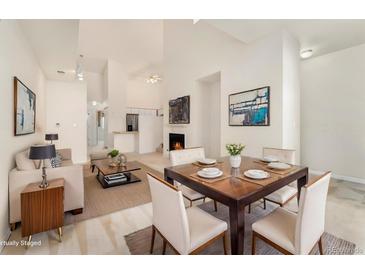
(51, 137)
(42, 152)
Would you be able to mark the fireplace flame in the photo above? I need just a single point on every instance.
(178, 146)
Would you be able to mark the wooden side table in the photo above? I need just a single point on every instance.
(42, 208)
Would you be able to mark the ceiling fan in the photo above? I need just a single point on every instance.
(154, 78)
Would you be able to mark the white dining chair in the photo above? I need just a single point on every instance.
(286, 193)
(187, 156)
(292, 233)
(187, 231)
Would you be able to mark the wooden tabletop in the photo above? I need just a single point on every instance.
(236, 187)
(104, 167)
(33, 187)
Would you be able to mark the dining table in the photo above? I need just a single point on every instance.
(235, 190)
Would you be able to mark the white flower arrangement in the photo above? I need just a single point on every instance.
(234, 149)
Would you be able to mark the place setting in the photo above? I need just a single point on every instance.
(272, 164)
(206, 162)
(257, 176)
(210, 174)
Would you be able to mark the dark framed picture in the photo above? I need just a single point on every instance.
(179, 110)
(24, 109)
(250, 108)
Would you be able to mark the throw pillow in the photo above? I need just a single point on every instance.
(56, 161)
(23, 162)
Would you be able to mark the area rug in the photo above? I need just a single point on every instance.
(100, 201)
(139, 241)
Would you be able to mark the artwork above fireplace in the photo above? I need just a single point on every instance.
(176, 141)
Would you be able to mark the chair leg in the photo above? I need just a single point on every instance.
(253, 246)
(320, 246)
(264, 203)
(249, 209)
(215, 206)
(153, 239)
(204, 199)
(225, 244)
(164, 247)
(191, 203)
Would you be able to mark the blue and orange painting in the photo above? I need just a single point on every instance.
(250, 108)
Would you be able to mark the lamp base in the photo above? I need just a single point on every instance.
(44, 183)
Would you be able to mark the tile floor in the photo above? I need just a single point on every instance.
(345, 218)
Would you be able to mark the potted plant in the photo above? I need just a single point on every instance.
(113, 155)
(234, 151)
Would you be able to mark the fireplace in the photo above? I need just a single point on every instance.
(176, 141)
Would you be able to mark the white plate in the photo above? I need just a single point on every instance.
(279, 165)
(270, 158)
(211, 170)
(256, 174)
(209, 176)
(207, 161)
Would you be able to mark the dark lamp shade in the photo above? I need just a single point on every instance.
(51, 137)
(41, 152)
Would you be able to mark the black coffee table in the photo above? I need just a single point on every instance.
(104, 169)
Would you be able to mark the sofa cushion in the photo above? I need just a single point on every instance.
(23, 162)
(67, 163)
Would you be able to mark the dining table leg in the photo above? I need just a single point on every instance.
(237, 227)
(302, 181)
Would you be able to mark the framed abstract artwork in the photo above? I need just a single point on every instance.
(24, 109)
(179, 110)
(250, 108)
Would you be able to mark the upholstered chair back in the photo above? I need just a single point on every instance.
(186, 156)
(169, 214)
(311, 214)
(283, 155)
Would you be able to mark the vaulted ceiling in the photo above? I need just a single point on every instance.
(138, 44)
(322, 36)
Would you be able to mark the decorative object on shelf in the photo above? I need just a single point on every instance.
(117, 159)
(179, 110)
(234, 151)
(122, 159)
(51, 137)
(42, 152)
(250, 108)
(24, 109)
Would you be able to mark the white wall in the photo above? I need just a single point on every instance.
(116, 94)
(17, 59)
(150, 132)
(332, 112)
(196, 51)
(210, 90)
(143, 95)
(95, 86)
(67, 105)
(291, 95)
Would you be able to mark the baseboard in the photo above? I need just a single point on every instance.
(339, 177)
(4, 238)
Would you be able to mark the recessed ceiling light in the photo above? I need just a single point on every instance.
(94, 103)
(306, 53)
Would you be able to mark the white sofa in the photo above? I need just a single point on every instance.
(74, 183)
